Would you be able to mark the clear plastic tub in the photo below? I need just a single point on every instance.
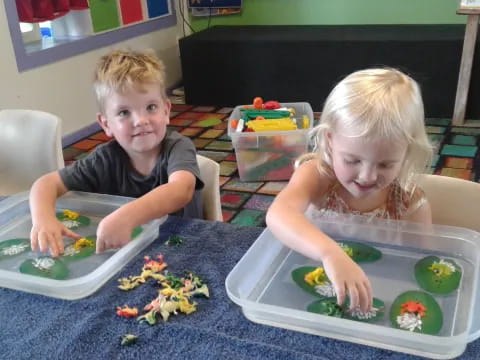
(85, 275)
(270, 155)
(261, 284)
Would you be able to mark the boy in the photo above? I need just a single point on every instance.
(145, 161)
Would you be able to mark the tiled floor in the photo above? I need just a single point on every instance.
(245, 203)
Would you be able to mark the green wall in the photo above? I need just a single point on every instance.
(339, 12)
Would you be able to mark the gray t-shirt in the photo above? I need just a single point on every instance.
(108, 170)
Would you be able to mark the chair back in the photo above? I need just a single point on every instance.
(210, 172)
(454, 202)
(30, 146)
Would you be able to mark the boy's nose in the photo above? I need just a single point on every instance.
(140, 119)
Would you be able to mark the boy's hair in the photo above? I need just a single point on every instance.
(380, 103)
(119, 71)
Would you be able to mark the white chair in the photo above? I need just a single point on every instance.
(30, 146)
(210, 172)
(454, 202)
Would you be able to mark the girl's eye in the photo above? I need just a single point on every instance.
(152, 107)
(385, 166)
(351, 162)
(123, 113)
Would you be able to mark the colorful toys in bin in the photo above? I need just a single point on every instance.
(268, 116)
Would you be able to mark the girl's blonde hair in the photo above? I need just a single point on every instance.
(120, 71)
(380, 103)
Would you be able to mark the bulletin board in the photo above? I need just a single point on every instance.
(113, 14)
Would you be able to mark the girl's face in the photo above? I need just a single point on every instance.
(365, 167)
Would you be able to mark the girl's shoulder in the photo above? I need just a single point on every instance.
(406, 202)
(313, 179)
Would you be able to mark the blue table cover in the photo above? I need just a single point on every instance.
(38, 327)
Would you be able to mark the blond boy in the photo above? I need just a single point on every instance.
(145, 161)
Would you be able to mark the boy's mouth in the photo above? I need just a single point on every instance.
(143, 133)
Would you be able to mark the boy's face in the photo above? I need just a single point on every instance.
(137, 119)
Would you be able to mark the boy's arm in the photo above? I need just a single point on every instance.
(286, 219)
(46, 230)
(115, 229)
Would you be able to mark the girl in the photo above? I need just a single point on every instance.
(370, 144)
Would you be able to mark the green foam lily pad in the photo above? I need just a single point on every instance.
(298, 277)
(73, 224)
(326, 306)
(360, 252)
(377, 312)
(71, 254)
(137, 231)
(12, 247)
(432, 320)
(438, 276)
(45, 266)
(329, 307)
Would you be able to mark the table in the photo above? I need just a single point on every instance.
(38, 327)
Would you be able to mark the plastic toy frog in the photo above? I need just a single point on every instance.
(442, 268)
(413, 307)
(316, 277)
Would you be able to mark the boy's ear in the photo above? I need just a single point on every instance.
(104, 124)
(167, 108)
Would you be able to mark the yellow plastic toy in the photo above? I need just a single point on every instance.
(272, 125)
(306, 122)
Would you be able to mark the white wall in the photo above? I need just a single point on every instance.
(64, 87)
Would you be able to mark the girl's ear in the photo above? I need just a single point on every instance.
(328, 138)
(102, 120)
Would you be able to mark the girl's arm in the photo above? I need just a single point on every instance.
(286, 219)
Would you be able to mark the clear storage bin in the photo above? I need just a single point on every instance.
(261, 284)
(270, 155)
(85, 275)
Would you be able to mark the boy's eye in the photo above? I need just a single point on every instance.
(152, 107)
(123, 113)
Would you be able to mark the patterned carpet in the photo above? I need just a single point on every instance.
(245, 203)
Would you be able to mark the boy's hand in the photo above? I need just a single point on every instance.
(348, 279)
(47, 234)
(113, 232)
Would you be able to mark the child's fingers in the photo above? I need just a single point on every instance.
(368, 288)
(100, 246)
(42, 242)
(54, 246)
(340, 291)
(355, 295)
(34, 240)
(59, 243)
(67, 232)
(365, 300)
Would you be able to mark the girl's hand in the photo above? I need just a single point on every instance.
(113, 232)
(47, 234)
(348, 279)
